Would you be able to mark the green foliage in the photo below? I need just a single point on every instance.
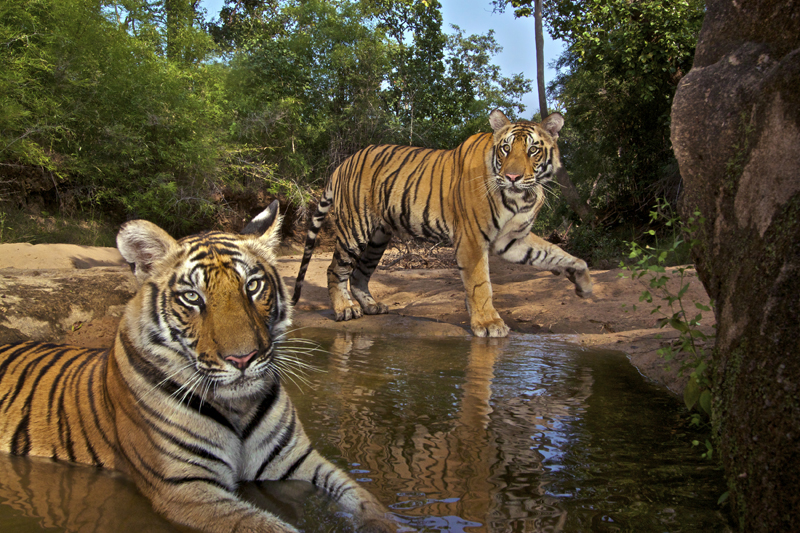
(622, 66)
(28, 68)
(121, 109)
(129, 131)
(618, 76)
(648, 265)
(597, 246)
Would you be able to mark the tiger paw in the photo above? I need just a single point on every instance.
(377, 525)
(349, 312)
(582, 281)
(489, 328)
(375, 308)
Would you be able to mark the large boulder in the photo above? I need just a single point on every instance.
(736, 135)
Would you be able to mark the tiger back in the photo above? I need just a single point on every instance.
(483, 196)
(188, 401)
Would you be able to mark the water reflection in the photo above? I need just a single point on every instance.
(456, 435)
(518, 434)
(39, 493)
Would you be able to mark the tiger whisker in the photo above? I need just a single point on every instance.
(160, 383)
(287, 332)
(186, 388)
(300, 365)
(208, 381)
(195, 387)
(291, 374)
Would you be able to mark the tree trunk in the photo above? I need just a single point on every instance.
(568, 189)
(539, 34)
(736, 135)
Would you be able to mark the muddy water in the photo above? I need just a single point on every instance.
(455, 435)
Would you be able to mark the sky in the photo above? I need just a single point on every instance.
(514, 35)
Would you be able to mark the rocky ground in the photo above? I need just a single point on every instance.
(75, 294)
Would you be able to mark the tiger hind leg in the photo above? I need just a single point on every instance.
(359, 279)
(344, 305)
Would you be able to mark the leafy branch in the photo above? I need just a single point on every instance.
(649, 265)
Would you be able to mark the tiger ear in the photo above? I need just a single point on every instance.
(267, 224)
(497, 120)
(143, 244)
(553, 124)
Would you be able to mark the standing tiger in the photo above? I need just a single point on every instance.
(482, 196)
(188, 401)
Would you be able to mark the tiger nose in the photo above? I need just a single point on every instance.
(513, 177)
(241, 361)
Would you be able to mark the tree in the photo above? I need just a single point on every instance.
(622, 65)
(526, 8)
(122, 108)
(111, 122)
(523, 9)
(540, 58)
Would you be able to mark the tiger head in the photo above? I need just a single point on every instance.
(524, 155)
(211, 307)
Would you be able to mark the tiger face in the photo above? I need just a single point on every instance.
(221, 301)
(525, 155)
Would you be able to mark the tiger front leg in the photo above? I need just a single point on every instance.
(197, 493)
(535, 251)
(204, 507)
(473, 263)
(368, 514)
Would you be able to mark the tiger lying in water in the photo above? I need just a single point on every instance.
(483, 196)
(188, 401)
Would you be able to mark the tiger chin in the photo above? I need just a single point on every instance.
(483, 196)
(188, 402)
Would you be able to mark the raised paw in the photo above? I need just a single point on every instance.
(582, 281)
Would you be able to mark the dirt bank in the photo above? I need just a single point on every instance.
(427, 302)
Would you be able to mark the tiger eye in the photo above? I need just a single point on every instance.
(191, 297)
(253, 285)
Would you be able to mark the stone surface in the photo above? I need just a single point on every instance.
(47, 305)
(736, 134)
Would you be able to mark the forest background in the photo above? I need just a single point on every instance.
(144, 109)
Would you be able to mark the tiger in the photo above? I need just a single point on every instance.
(483, 196)
(188, 401)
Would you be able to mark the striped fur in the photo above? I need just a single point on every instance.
(482, 196)
(188, 401)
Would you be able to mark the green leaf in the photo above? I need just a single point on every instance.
(691, 393)
(680, 325)
(705, 401)
(723, 498)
